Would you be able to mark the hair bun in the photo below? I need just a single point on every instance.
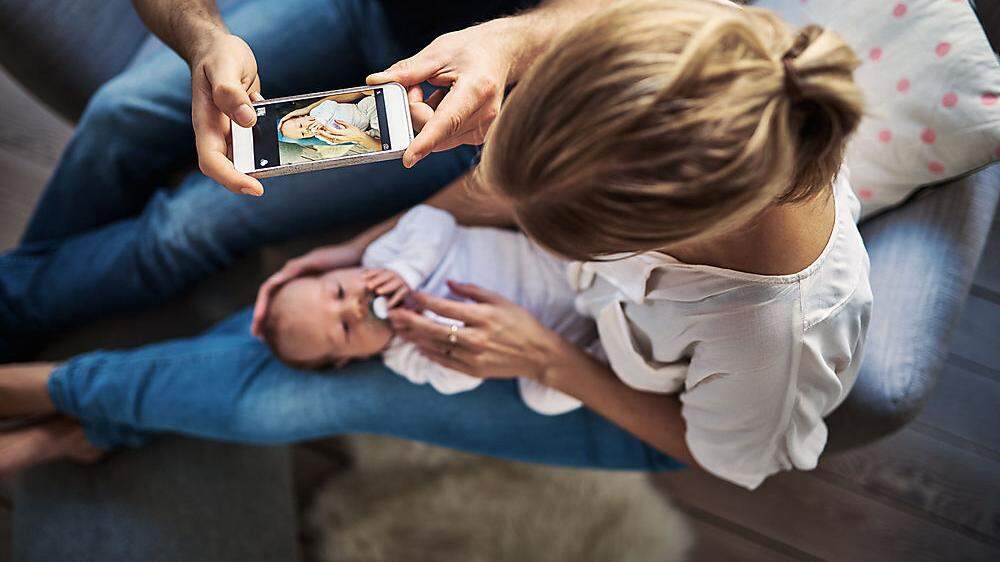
(802, 40)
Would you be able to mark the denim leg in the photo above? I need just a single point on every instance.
(226, 385)
(136, 130)
(184, 235)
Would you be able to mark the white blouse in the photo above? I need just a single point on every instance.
(759, 360)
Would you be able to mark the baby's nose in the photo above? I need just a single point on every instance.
(356, 309)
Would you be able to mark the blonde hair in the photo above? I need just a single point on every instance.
(656, 122)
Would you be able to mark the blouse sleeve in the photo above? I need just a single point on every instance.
(750, 409)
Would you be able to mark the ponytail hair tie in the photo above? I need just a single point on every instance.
(802, 40)
(792, 85)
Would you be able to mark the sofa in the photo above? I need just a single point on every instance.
(198, 500)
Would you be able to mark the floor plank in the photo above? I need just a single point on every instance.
(966, 404)
(714, 543)
(825, 520)
(952, 485)
(977, 336)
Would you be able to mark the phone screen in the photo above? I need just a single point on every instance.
(323, 127)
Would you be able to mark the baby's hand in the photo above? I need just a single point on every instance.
(384, 282)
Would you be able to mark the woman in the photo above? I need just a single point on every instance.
(719, 253)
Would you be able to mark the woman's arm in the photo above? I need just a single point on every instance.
(503, 340)
(654, 418)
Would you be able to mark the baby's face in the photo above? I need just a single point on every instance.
(326, 319)
(303, 126)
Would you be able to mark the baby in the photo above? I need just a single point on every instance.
(329, 319)
(361, 115)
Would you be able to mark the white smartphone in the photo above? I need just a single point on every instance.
(324, 130)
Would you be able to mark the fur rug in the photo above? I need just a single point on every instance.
(407, 502)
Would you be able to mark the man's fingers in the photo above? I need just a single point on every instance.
(211, 133)
(407, 72)
(415, 94)
(448, 119)
(420, 114)
(254, 91)
(215, 165)
(475, 292)
(230, 95)
(234, 101)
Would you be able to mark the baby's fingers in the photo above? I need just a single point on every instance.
(398, 296)
(377, 278)
(390, 286)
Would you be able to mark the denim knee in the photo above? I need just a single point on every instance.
(113, 107)
(187, 235)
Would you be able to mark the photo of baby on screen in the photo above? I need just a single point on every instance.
(329, 127)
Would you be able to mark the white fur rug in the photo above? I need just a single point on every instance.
(407, 502)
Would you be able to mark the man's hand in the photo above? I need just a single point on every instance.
(223, 83)
(475, 64)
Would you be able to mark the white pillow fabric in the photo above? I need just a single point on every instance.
(931, 84)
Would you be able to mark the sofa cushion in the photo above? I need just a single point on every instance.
(932, 88)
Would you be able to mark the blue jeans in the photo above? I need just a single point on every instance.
(108, 236)
(226, 385)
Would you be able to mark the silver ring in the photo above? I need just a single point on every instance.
(453, 336)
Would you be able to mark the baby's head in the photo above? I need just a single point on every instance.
(300, 127)
(314, 322)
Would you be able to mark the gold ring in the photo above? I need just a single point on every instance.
(453, 336)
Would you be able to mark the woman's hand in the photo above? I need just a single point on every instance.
(319, 260)
(348, 133)
(224, 82)
(499, 340)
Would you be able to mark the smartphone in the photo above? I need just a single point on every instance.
(324, 130)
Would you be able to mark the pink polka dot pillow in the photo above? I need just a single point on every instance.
(931, 83)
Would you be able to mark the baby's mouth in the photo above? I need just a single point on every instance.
(379, 307)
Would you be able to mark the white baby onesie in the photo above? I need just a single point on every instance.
(427, 248)
(362, 114)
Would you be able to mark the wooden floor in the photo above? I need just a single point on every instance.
(930, 492)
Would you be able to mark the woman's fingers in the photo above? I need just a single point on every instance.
(475, 292)
(469, 313)
(450, 360)
(418, 328)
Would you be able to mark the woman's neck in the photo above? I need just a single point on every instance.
(782, 240)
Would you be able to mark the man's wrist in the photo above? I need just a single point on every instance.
(520, 40)
(203, 42)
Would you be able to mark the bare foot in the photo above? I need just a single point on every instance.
(24, 390)
(58, 438)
